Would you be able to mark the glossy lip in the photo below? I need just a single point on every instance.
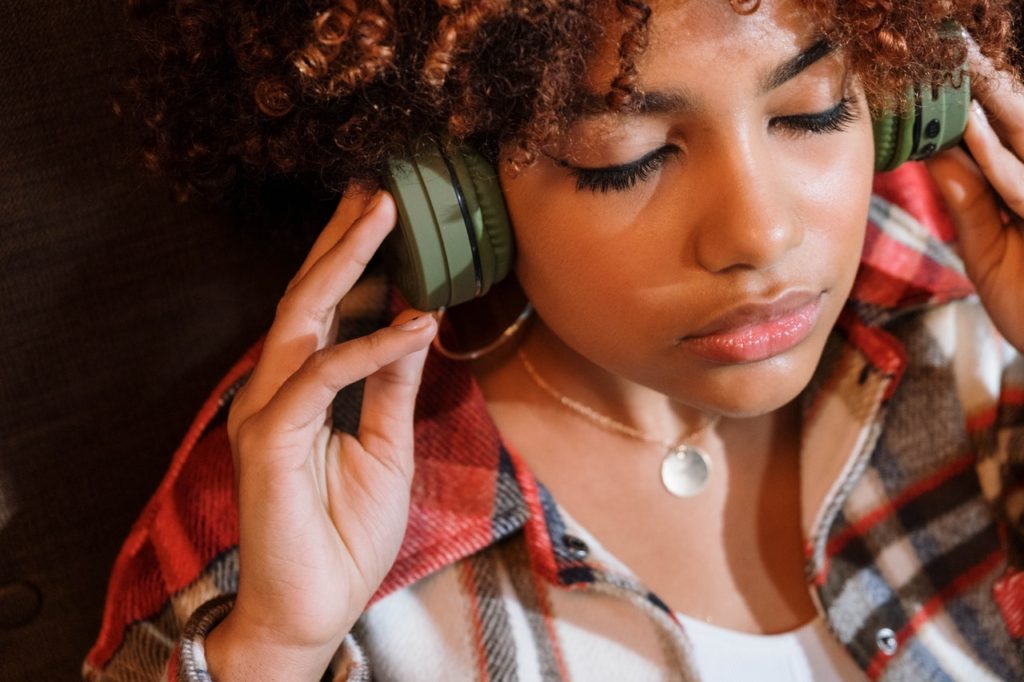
(751, 332)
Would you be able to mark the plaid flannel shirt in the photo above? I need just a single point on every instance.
(912, 464)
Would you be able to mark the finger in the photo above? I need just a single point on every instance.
(295, 413)
(355, 202)
(972, 207)
(1000, 166)
(1002, 95)
(274, 364)
(389, 401)
(305, 320)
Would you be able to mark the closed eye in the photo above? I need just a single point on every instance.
(624, 177)
(621, 177)
(834, 120)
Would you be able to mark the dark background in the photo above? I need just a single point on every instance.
(119, 312)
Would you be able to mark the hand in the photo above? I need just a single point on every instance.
(985, 195)
(322, 513)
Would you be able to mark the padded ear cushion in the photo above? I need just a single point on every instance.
(482, 192)
(894, 138)
(885, 129)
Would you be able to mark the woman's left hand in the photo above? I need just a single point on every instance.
(985, 195)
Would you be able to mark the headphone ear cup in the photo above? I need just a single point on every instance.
(933, 119)
(454, 241)
(942, 116)
(486, 205)
(414, 250)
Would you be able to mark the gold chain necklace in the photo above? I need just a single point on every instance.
(685, 469)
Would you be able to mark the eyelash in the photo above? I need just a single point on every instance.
(835, 120)
(626, 176)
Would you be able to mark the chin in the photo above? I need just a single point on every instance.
(751, 390)
(745, 407)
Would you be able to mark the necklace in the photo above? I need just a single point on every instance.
(685, 469)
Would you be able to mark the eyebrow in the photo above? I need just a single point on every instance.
(792, 68)
(675, 101)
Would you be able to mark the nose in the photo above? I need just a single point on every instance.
(749, 221)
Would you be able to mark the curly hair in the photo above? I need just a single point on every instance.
(237, 93)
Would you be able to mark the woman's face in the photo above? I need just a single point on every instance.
(741, 190)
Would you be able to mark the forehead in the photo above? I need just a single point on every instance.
(708, 38)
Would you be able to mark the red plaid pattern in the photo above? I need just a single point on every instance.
(912, 467)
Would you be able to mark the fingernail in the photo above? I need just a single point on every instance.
(418, 322)
(979, 114)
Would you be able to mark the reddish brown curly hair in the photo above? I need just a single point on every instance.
(237, 93)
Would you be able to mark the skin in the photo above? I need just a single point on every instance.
(322, 514)
(984, 192)
(750, 208)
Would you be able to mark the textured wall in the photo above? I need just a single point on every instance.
(118, 313)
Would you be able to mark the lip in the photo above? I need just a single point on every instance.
(750, 332)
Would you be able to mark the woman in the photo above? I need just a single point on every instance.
(760, 425)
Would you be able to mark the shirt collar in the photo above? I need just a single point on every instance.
(906, 266)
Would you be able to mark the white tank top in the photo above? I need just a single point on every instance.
(805, 654)
(809, 653)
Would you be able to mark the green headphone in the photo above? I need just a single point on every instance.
(455, 240)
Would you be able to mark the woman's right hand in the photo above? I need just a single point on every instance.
(321, 513)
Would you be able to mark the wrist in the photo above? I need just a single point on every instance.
(236, 650)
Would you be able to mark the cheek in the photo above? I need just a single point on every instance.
(556, 252)
(586, 287)
(576, 264)
(834, 198)
(848, 226)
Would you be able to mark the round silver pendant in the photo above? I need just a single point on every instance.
(685, 471)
